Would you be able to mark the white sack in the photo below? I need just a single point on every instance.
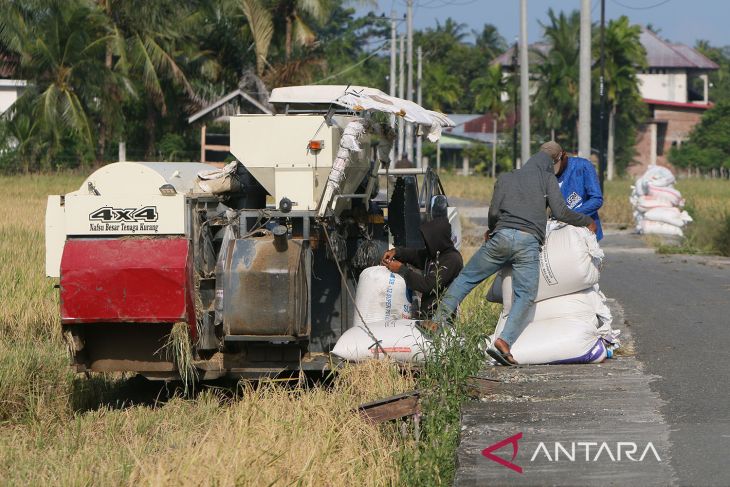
(672, 216)
(560, 340)
(656, 175)
(219, 181)
(586, 305)
(570, 261)
(646, 203)
(401, 340)
(381, 296)
(666, 193)
(648, 227)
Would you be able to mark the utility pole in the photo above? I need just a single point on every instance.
(393, 48)
(584, 88)
(419, 100)
(524, 85)
(602, 94)
(409, 90)
(401, 88)
(514, 101)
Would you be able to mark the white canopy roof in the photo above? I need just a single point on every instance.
(359, 98)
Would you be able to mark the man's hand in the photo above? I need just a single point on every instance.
(393, 265)
(593, 227)
(487, 236)
(387, 257)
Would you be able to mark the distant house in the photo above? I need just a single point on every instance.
(10, 88)
(216, 148)
(674, 86)
(470, 129)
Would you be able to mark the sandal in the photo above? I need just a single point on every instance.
(502, 358)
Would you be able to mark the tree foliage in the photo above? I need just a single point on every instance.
(557, 79)
(105, 71)
(708, 146)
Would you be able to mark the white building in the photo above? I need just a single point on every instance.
(674, 86)
(10, 90)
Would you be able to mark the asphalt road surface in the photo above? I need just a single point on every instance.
(678, 310)
(670, 386)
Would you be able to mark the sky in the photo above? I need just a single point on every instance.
(681, 21)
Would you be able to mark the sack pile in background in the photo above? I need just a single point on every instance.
(657, 204)
(570, 321)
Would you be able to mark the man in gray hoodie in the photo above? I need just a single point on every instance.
(516, 231)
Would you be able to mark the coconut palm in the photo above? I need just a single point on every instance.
(261, 25)
(488, 96)
(624, 57)
(60, 46)
(556, 100)
(295, 14)
(153, 45)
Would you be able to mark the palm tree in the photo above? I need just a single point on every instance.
(444, 88)
(261, 25)
(489, 42)
(295, 13)
(489, 90)
(624, 57)
(556, 98)
(61, 49)
(153, 45)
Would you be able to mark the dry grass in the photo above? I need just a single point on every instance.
(708, 200)
(28, 301)
(476, 188)
(269, 435)
(60, 429)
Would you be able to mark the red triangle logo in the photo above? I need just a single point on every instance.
(487, 452)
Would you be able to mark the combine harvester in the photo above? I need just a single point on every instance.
(261, 288)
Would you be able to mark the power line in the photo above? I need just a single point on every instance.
(658, 4)
(353, 66)
(445, 3)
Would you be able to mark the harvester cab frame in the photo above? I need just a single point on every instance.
(256, 261)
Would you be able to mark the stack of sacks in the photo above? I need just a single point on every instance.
(569, 322)
(657, 205)
(382, 328)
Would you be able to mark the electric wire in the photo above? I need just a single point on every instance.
(353, 66)
(631, 7)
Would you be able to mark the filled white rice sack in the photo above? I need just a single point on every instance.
(400, 340)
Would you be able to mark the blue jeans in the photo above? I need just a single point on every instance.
(507, 246)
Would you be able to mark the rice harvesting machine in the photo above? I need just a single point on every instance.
(256, 260)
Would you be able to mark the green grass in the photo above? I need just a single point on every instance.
(456, 356)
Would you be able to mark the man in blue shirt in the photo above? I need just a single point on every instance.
(578, 182)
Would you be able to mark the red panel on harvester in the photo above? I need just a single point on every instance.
(125, 280)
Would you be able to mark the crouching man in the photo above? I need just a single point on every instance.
(428, 270)
(516, 231)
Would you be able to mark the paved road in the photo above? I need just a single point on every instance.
(581, 408)
(678, 309)
(672, 389)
